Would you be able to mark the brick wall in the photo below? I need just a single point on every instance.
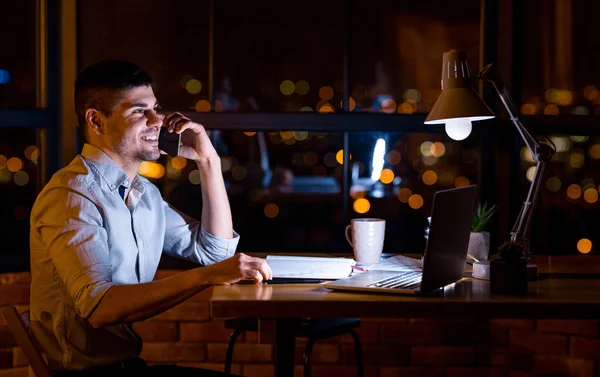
(391, 347)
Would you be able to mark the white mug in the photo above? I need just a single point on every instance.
(367, 239)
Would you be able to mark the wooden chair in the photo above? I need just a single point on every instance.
(313, 329)
(19, 326)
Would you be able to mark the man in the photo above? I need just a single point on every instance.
(98, 230)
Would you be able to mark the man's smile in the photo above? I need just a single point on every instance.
(151, 138)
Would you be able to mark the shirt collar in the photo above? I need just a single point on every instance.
(112, 174)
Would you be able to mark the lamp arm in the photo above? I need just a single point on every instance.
(541, 152)
(520, 231)
(490, 73)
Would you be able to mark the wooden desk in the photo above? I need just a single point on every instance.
(280, 306)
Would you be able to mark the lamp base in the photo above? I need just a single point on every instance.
(508, 276)
(532, 272)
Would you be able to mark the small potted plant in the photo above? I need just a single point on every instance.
(479, 241)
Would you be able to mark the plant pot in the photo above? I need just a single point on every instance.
(479, 245)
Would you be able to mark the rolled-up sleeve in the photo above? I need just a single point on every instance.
(70, 226)
(186, 238)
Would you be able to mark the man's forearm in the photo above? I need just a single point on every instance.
(136, 302)
(216, 213)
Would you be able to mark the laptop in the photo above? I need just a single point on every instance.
(445, 255)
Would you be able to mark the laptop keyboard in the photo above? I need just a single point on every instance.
(404, 280)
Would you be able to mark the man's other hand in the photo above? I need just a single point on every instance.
(238, 267)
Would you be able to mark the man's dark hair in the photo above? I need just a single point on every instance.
(98, 84)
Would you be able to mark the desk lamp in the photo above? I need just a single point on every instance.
(459, 104)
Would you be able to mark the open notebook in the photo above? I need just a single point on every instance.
(309, 267)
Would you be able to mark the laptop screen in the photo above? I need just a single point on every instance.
(449, 232)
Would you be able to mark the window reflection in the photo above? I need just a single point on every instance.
(395, 175)
(560, 60)
(20, 160)
(274, 56)
(285, 187)
(18, 63)
(567, 215)
(169, 39)
(397, 48)
(403, 165)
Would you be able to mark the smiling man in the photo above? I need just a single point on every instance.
(98, 230)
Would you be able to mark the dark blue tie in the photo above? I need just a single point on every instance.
(122, 191)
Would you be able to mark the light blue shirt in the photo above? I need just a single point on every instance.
(85, 238)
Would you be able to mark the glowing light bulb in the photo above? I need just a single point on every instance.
(458, 129)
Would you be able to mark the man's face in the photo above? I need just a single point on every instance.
(133, 126)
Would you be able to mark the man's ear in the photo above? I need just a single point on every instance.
(95, 121)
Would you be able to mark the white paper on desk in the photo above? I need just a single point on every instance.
(396, 263)
(309, 267)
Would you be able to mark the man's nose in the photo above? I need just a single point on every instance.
(155, 119)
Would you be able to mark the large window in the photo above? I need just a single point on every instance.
(286, 185)
(271, 79)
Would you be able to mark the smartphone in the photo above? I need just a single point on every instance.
(169, 141)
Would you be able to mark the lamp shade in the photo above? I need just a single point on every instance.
(458, 99)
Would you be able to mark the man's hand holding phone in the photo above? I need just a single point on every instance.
(196, 146)
(182, 137)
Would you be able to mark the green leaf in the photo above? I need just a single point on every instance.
(482, 216)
